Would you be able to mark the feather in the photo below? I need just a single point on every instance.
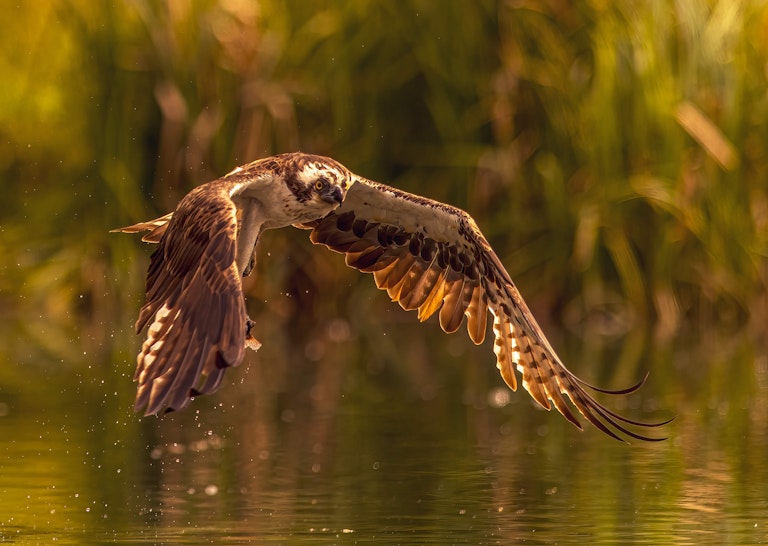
(477, 315)
(402, 291)
(455, 304)
(421, 288)
(396, 273)
(434, 299)
(505, 347)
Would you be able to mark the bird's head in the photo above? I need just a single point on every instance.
(317, 182)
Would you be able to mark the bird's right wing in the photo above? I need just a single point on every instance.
(194, 303)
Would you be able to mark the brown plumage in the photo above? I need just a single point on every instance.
(428, 256)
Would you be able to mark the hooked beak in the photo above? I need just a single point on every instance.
(334, 196)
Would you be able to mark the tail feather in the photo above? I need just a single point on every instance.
(155, 227)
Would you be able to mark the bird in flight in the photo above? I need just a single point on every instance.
(428, 256)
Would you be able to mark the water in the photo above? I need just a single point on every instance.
(345, 450)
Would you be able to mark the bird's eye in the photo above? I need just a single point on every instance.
(319, 184)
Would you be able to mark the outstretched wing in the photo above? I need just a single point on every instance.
(194, 303)
(432, 257)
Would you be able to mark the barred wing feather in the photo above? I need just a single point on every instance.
(432, 258)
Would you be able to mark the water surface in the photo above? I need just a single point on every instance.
(340, 450)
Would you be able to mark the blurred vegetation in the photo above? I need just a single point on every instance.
(613, 153)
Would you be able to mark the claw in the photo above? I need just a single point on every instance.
(250, 341)
(249, 268)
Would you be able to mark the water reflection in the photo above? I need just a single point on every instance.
(339, 450)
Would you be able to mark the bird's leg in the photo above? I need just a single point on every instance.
(251, 264)
(249, 227)
(251, 341)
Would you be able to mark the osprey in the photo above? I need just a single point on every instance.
(427, 255)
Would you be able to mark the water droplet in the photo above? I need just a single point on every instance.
(211, 490)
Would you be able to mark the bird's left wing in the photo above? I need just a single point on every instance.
(432, 257)
(194, 304)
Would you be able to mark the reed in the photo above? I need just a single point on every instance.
(613, 152)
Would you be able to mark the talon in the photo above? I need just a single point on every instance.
(251, 264)
(251, 341)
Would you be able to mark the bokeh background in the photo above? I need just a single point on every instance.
(614, 154)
